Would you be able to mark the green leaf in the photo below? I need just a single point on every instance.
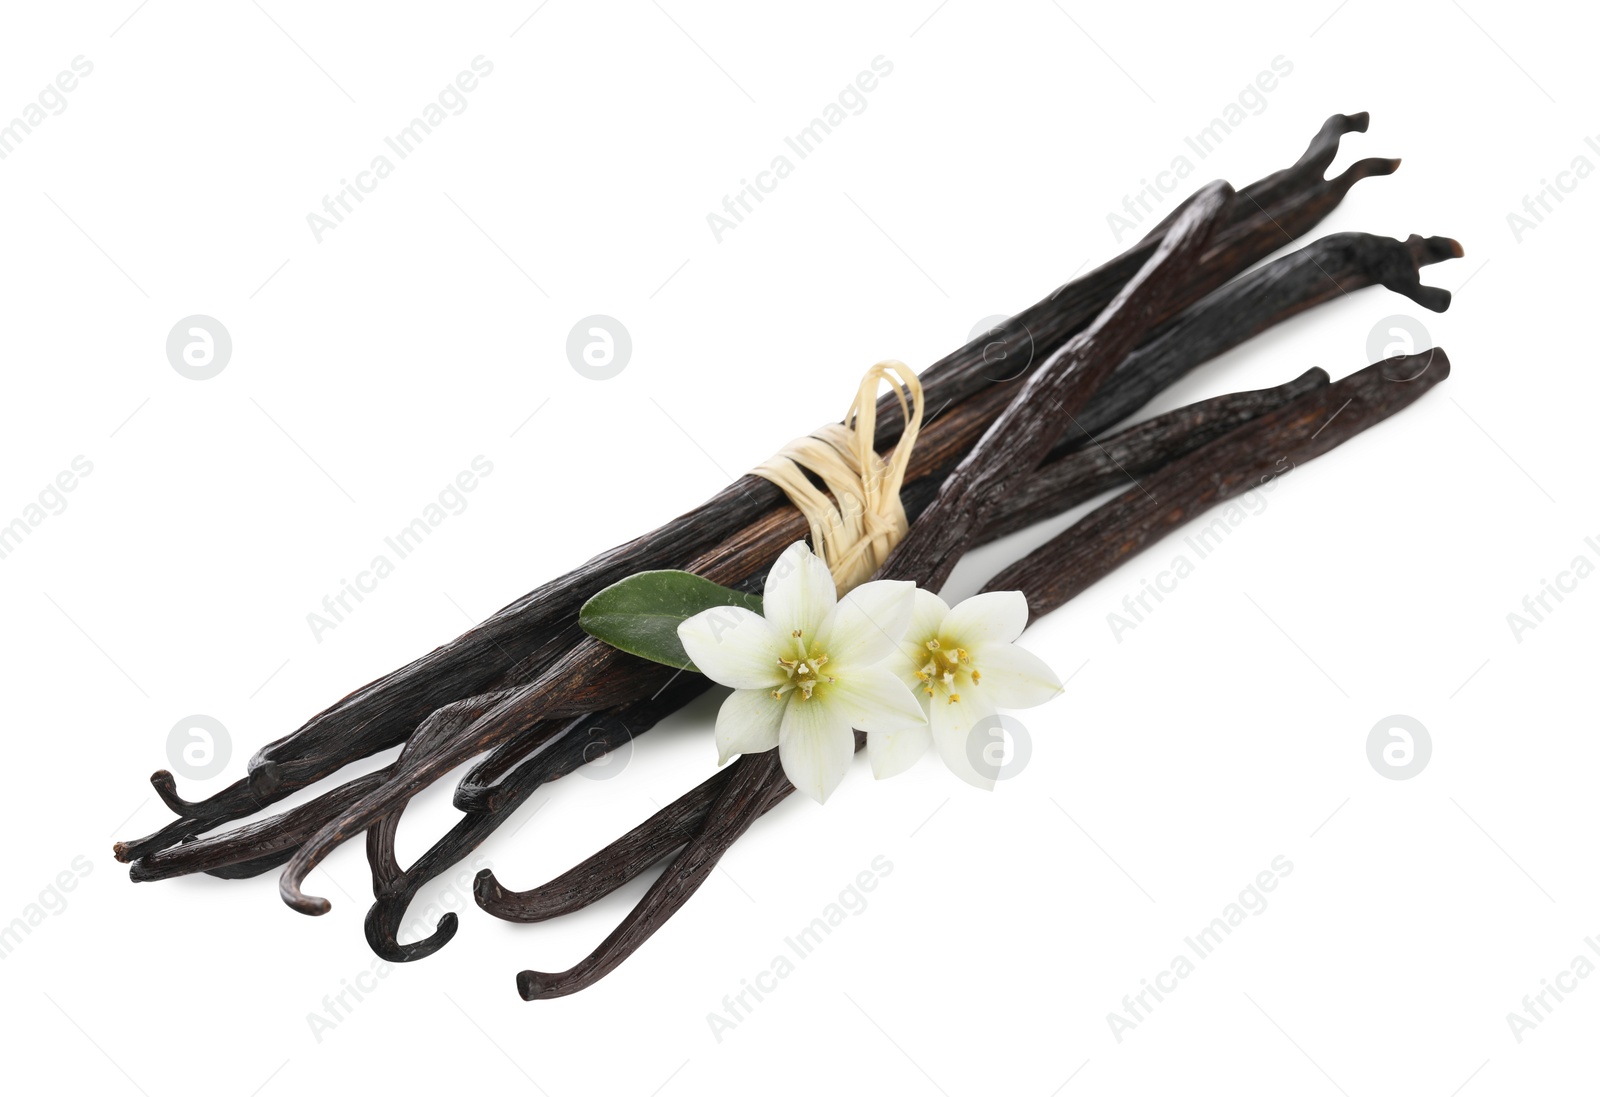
(640, 614)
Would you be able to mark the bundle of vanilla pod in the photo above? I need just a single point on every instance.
(530, 697)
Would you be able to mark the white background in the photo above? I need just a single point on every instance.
(370, 368)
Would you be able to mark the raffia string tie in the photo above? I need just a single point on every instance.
(855, 530)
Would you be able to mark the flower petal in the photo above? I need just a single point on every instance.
(894, 752)
(866, 626)
(874, 699)
(1014, 678)
(997, 617)
(748, 722)
(733, 646)
(799, 593)
(952, 725)
(815, 745)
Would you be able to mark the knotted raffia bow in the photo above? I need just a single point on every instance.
(856, 529)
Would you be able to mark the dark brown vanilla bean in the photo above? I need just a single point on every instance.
(486, 784)
(577, 744)
(597, 876)
(254, 843)
(590, 678)
(1236, 463)
(1085, 553)
(1327, 268)
(1060, 388)
(1257, 221)
(742, 799)
(1020, 436)
(528, 636)
(259, 847)
(1116, 460)
(504, 773)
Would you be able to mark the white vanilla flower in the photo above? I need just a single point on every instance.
(807, 670)
(964, 668)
